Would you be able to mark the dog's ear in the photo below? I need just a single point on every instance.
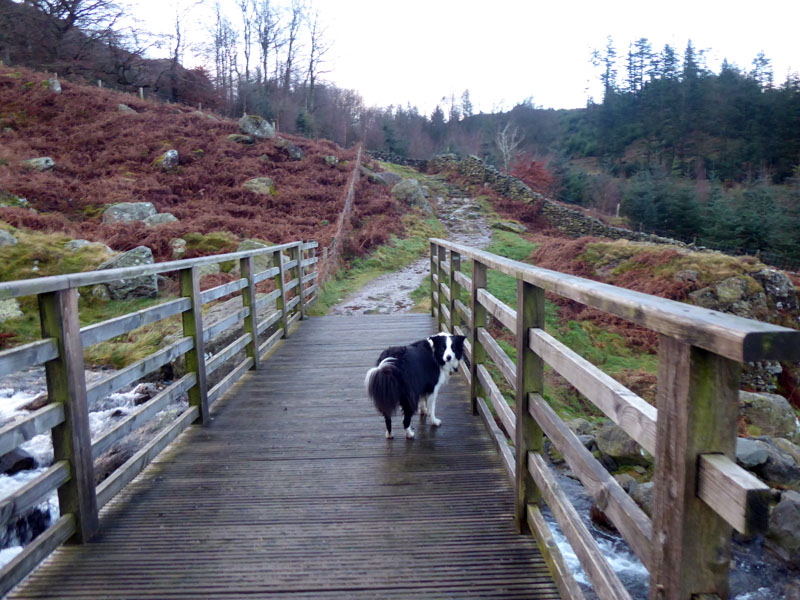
(458, 345)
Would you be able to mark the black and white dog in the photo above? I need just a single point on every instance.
(410, 377)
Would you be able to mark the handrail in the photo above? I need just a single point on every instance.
(263, 319)
(700, 492)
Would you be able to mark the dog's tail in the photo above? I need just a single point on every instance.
(385, 386)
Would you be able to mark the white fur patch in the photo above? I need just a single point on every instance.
(409, 433)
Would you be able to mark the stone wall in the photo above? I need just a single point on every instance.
(567, 220)
(417, 163)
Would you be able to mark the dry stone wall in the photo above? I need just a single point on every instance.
(567, 220)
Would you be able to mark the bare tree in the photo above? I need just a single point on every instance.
(267, 33)
(508, 142)
(316, 56)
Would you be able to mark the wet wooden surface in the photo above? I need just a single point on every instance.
(293, 491)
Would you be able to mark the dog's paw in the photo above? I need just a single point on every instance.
(436, 421)
(409, 434)
(389, 436)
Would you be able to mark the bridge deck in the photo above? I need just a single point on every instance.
(293, 491)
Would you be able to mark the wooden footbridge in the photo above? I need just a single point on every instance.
(276, 480)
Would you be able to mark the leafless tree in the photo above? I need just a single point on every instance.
(507, 143)
(267, 33)
(319, 47)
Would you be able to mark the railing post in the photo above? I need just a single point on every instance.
(66, 383)
(247, 269)
(697, 414)
(455, 289)
(298, 253)
(530, 380)
(442, 255)
(478, 320)
(193, 327)
(434, 254)
(280, 284)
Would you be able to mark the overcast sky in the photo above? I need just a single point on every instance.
(504, 51)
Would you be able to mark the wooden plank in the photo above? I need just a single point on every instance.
(280, 301)
(216, 392)
(29, 355)
(499, 439)
(300, 273)
(569, 588)
(142, 414)
(34, 492)
(219, 291)
(290, 264)
(464, 281)
(247, 268)
(441, 277)
(267, 299)
(307, 292)
(108, 385)
(224, 324)
(462, 308)
(498, 309)
(697, 401)
(310, 245)
(478, 355)
(739, 497)
(498, 401)
(136, 463)
(446, 291)
(632, 522)
(35, 552)
(621, 405)
(606, 584)
(309, 277)
(193, 328)
(100, 332)
(309, 261)
(446, 315)
(292, 303)
(529, 380)
(498, 356)
(261, 276)
(270, 319)
(292, 284)
(434, 254)
(742, 340)
(66, 385)
(264, 348)
(236, 346)
(455, 262)
(25, 428)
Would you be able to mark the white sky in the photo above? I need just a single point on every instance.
(505, 51)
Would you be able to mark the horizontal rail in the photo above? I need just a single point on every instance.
(309, 261)
(215, 293)
(499, 356)
(498, 309)
(267, 299)
(307, 292)
(42, 285)
(293, 302)
(309, 277)
(737, 496)
(737, 338)
(34, 492)
(269, 343)
(463, 280)
(224, 324)
(446, 291)
(309, 245)
(290, 264)
(271, 272)
(498, 437)
(105, 330)
(567, 586)
(137, 370)
(136, 463)
(216, 361)
(501, 407)
(271, 319)
(29, 355)
(142, 414)
(291, 284)
(231, 378)
(462, 308)
(26, 428)
(446, 314)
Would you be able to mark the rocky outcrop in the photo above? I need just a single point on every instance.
(771, 414)
(124, 108)
(331, 160)
(783, 535)
(6, 239)
(133, 287)
(45, 163)
(288, 149)
(9, 309)
(125, 212)
(167, 161)
(76, 245)
(257, 127)
(263, 186)
(160, 219)
(238, 138)
(773, 466)
(778, 287)
(178, 246)
(262, 262)
(410, 192)
(614, 443)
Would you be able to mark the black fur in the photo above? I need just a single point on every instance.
(404, 374)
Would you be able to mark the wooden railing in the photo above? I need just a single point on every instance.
(265, 319)
(700, 493)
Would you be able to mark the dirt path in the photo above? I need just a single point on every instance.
(465, 223)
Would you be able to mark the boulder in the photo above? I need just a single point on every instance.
(125, 212)
(613, 442)
(160, 219)
(642, 494)
(257, 127)
(178, 246)
(39, 401)
(778, 287)
(9, 309)
(290, 150)
(625, 481)
(412, 193)
(101, 293)
(741, 295)
(124, 108)
(45, 163)
(331, 160)
(262, 262)
(238, 138)
(771, 414)
(54, 85)
(774, 467)
(6, 239)
(788, 447)
(15, 461)
(580, 426)
(750, 453)
(167, 161)
(386, 178)
(263, 186)
(75, 245)
(783, 534)
(133, 287)
(511, 226)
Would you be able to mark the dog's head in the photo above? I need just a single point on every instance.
(447, 350)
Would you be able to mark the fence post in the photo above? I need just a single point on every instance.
(455, 289)
(247, 269)
(141, 93)
(478, 320)
(66, 383)
(434, 254)
(298, 253)
(441, 256)
(530, 380)
(280, 284)
(697, 401)
(193, 327)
